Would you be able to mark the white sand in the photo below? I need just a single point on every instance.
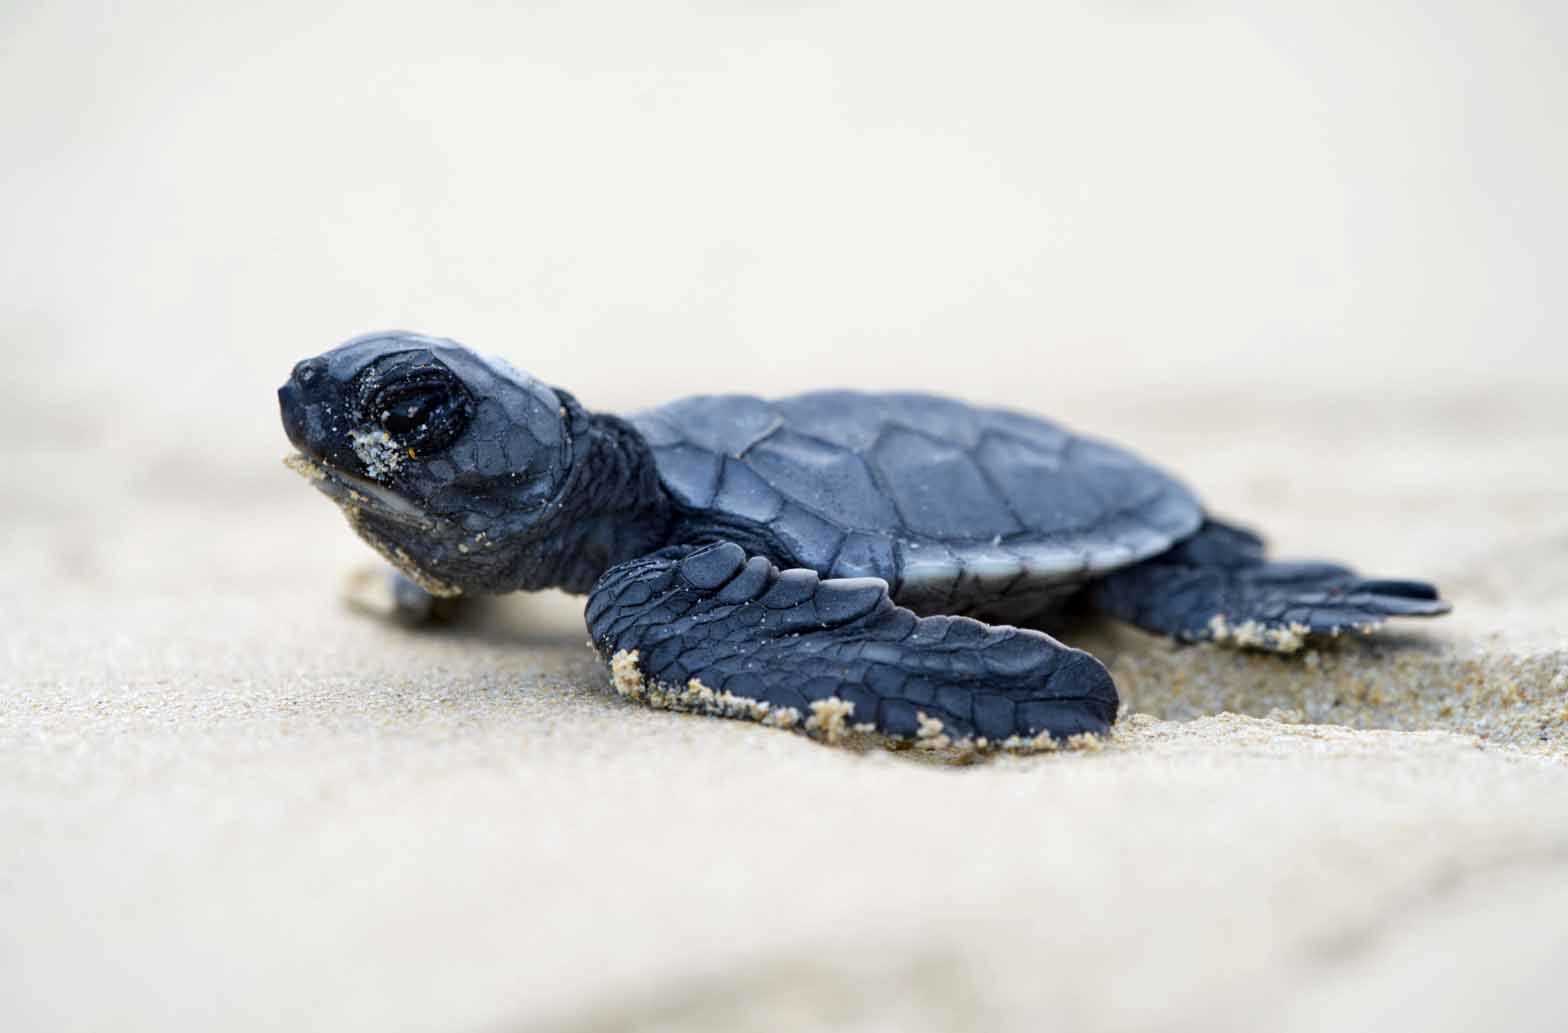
(227, 802)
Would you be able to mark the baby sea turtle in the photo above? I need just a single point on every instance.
(836, 560)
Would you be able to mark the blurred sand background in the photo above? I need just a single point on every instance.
(1304, 254)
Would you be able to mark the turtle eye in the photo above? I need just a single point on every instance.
(407, 411)
(424, 412)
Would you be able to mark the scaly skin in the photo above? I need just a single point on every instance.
(1217, 585)
(791, 639)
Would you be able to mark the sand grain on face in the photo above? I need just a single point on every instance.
(377, 450)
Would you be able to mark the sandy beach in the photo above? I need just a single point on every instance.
(228, 800)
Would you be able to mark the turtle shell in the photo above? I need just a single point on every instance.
(960, 509)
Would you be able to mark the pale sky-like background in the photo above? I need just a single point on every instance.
(1006, 201)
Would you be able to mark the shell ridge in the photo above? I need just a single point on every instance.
(771, 429)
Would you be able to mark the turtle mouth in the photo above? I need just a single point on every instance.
(352, 491)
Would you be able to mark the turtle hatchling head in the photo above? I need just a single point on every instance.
(445, 461)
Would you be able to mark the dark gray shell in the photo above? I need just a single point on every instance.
(956, 507)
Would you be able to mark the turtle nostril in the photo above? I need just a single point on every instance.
(305, 373)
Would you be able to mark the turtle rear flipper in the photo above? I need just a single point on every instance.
(708, 630)
(1218, 586)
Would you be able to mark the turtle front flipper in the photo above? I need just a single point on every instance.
(1218, 586)
(387, 593)
(709, 630)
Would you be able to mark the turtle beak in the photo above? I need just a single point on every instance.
(353, 492)
(294, 403)
(291, 408)
(310, 404)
